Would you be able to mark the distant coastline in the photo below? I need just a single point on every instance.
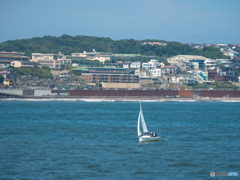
(109, 99)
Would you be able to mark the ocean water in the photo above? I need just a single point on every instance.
(98, 140)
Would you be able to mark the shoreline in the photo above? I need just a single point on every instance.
(100, 98)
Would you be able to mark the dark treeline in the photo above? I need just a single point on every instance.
(69, 44)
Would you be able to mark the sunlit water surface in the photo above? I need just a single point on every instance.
(98, 140)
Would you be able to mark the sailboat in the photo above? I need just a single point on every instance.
(144, 137)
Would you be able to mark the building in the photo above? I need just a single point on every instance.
(209, 63)
(167, 71)
(118, 86)
(236, 60)
(142, 73)
(24, 64)
(7, 82)
(184, 58)
(153, 63)
(145, 66)
(183, 79)
(94, 55)
(214, 71)
(52, 64)
(154, 43)
(8, 57)
(5, 74)
(156, 72)
(109, 78)
(3, 66)
(198, 64)
(126, 65)
(113, 65)
(135, 65)
(102, 70)
(65, 61)
(222, 61)
(223, 79)
(46, 60)
(42, 56)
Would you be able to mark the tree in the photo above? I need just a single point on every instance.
(1, 78)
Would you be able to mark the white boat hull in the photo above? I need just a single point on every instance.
(148, 138)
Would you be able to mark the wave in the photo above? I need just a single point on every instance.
(117, 100)
(96, 100)
(230, 100)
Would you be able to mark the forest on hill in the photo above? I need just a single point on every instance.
(71, 44)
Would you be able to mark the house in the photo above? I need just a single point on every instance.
(135, 65)
(167, 71)
(145, 66)
(155, 72)
(142, 73)
(126, 65)
(153, 63)
(186, 79)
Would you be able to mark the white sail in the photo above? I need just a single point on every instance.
(141, 117)
(145, 130)
(139, 131)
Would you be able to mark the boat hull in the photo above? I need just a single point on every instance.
(148, 138)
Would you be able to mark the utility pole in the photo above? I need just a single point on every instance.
(194, 38)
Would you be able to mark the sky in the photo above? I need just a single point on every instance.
(186, 21)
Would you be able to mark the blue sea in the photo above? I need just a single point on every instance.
(98, 139)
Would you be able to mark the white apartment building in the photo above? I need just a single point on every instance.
(209, 63)
(145, 66)
(46, 60)
(222, 61)
(42, 56)
(153, 63)
(156, 72)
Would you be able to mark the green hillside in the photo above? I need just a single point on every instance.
(68, 44)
